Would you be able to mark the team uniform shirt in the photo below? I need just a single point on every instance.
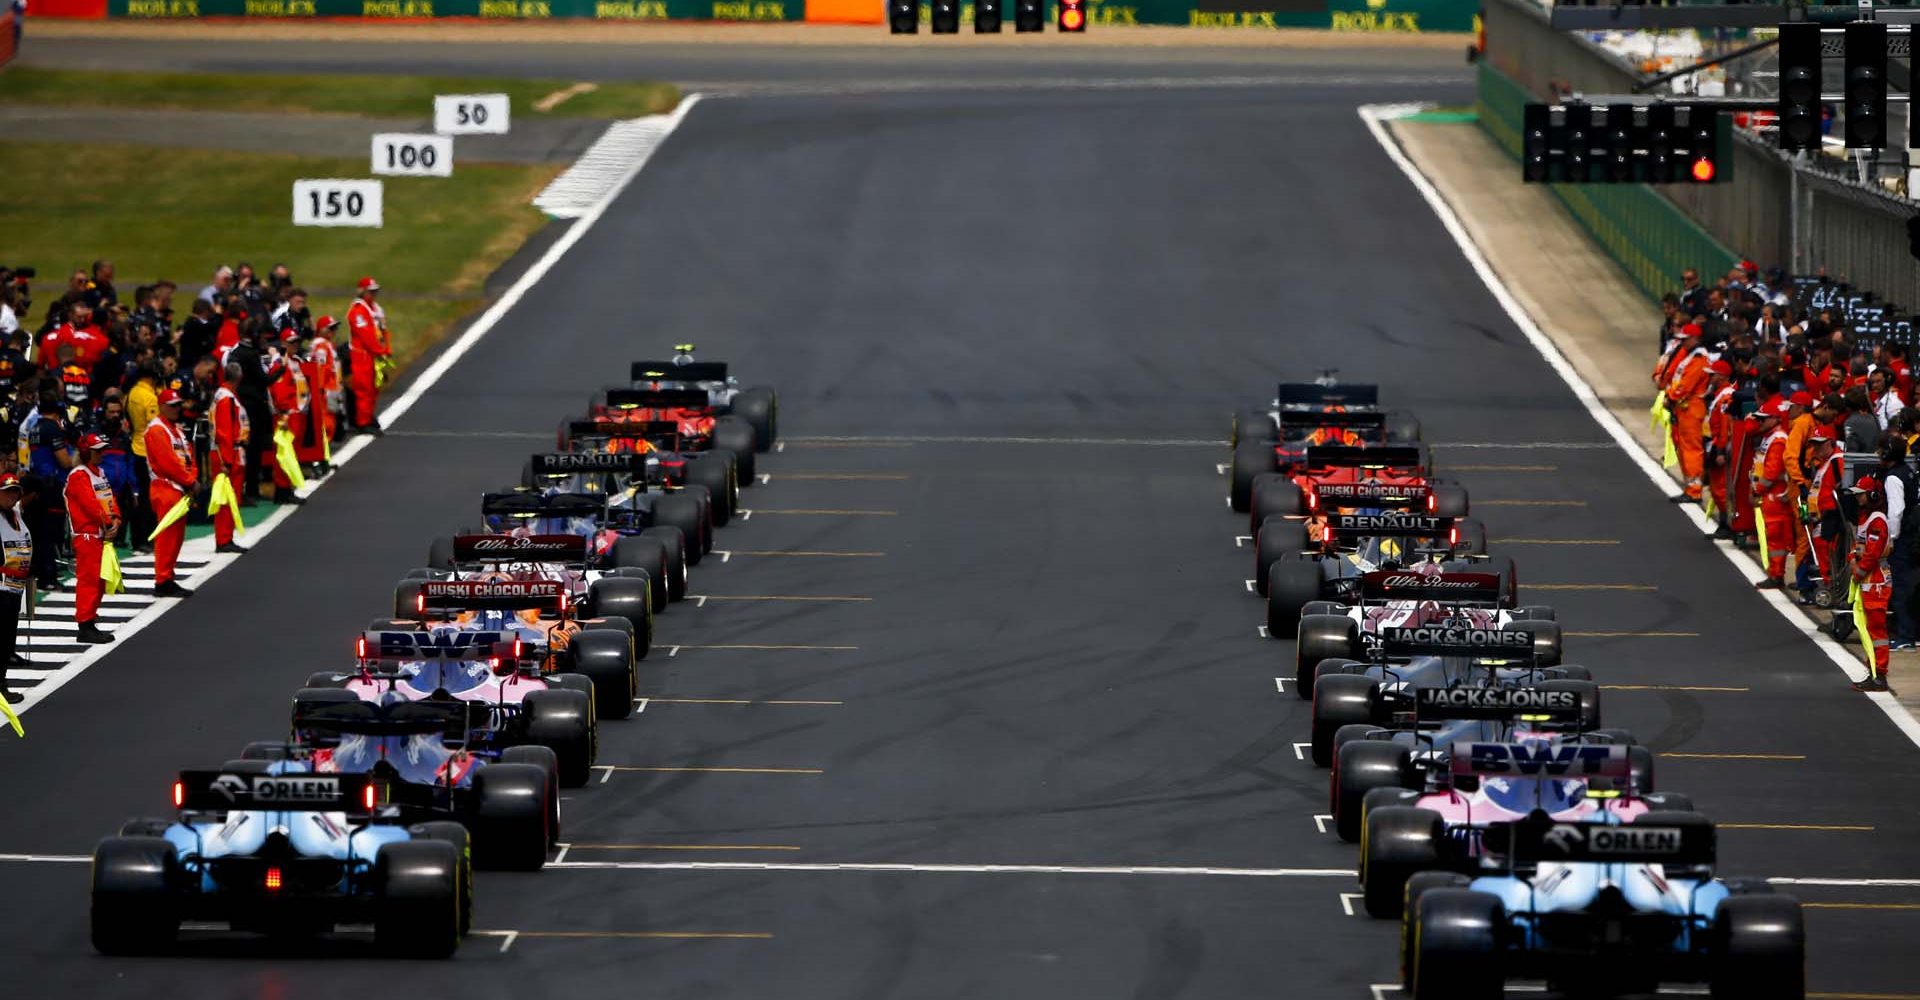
(89, 345)
(16, 552)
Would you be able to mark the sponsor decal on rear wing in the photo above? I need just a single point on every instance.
(1396, 525)
(1315, 394)
(1530, 842)
(447, 644)
(1447, 588)
(1361, 420)
(1372, 494)
(519, 549)
(566, 463)
(667, 371)
(492, 595)
(657, 399)
(1559, 760)
(1450, 640)
(1378, 457)
(621, 428)
(221, 790)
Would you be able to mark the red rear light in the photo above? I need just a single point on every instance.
(420, 603)
(1453, 536)
(179, 794)
(273, 880)
(1433, 503)
(360, 648)
(367, 795)
(1313, 501)
(516, 647)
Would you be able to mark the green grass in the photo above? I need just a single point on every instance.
(382, 96)
(177, 214)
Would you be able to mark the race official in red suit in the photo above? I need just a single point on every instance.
(1871, 574)
(370, 341)
(228, 456)
(173, 474)
(94, 517)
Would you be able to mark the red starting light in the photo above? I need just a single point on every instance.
(273, 880)
(179, 794)
(1703, 170)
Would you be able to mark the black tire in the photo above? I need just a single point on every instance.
(1760, 948)
(1589, 692)
(1546, 640)
(1250, 459)
(423, 573)
(1338, 700)
(760, 408)
(264, 750)
(1640, 771)
(604, 656)
(562, 721)
(1419, 885)
(1402, 427)
(1360, 767)
(134, 911)
(1396, 842)
(1618, 737)
(675, 542)
(736, 435)
(528, 481)
(418, 914)
(145, 827)
(327, 679)
(1449, 501)
(1574, 672)
(1291, 583)
(1277, 539)
(1276, 495)
(1324, 608)
(1319, 637)
(1253, 425)
(1503, 567)
(681, 512)
(1473, 537)
(629, 599)
(511, 815)
(1679, 802)
(1337, 665)
(448, 832)
(406, 599)
(440, 553)
(1456, 954)
(634, 552)
(703, 499)
(717, 474)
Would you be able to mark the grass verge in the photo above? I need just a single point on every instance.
(379, 96)
(177, 214)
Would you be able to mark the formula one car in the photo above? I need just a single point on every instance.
(1421, 595)
(1470, 785)
(530, 620)
(758, 405)
(623, 584)
(635, 492)
(679, 421)
(1304, 414)
(488, 685)
(275, 849)
(660, 551)
(1333, 481)
(1306, 571)
(677, 460)
(1600, 908)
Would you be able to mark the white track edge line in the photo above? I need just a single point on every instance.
(1841, 656)
(394, 411)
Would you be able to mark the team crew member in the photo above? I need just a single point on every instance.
(367, 326)
(1770, 491)
(1719, 432)
(170, 458)
(1870, 573)
(16, 574)
(228, 456)
(95, 517)
(1687, 400)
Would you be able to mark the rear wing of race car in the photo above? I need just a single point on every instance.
(1348, 527)
(1378, 457)
(1315, 394)
(667, 371)
(223, 791)
(1363, 420)
(657, 399)
(492, 595)
(480, 549)
(1396, 495)
(1558, 760)
(1513, 645)
(392, 646)
(649, 429)
(567, 463)
(1447, 588)
(527, 506)
(1531, 841)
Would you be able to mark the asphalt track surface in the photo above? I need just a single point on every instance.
(1051, 659)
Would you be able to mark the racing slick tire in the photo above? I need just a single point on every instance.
(1250, 459)
(1419, 885)
(1473, 537)
(760, 408)
(1395, 842)
(1275, 495)
(1402, 427)
(1324, 608)
(1253, 425)
(1640, 771)
(1337, 665)
(134, 911)
(604, 656)
(562, 721)
(1360, 766)
(326, 679)
(722, 479)
(308, 698)
(512, 813)
(1589, 693)
(406, 596)
(734, 434)
(1338, 700)
(1759, 948)
(1449, 501)
(1546, 640)
(1277, 539)
(449, 832)
(1503, 567)
(675, 542)
(418, 913)
(1668, 801)
(440, 553)
(681, 512)
(1456, 946)
(629, 599)
(546, 760)
(1318, 637)
(145, 827)
(703, 502)
(1291, 583)
(1619, 737)
(634, 552)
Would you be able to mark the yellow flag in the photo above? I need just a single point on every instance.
(1670, 457)
(1658, 412)
(12, 719)
(110, 571)
(1706, 503)
(1860, 625)
(223, 496)
(326, 437)
(179, 511)
(1760, 528)
(382, 370)
(283, 453)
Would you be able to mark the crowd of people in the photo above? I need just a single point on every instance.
(122, 417)
(1766, 392)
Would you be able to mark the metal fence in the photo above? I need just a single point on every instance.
(1770, 212)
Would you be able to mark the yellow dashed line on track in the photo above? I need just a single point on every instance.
(1668, 687)
(1501, 468)
(1592, 586)
(850, 555)
(1553, 541)
(1529, 503)
(1635, 635)
(1813, 827)
(848, 477)
(825, 512)
(682, 847)
(738, 701)
(1736, 756)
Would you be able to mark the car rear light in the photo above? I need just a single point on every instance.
(1453, 536)
(420, 603)
(179, 794)
(1433, 503)
(273, 880)
(516, 648)
(367, 795)
(360, 648)
(1313, 501)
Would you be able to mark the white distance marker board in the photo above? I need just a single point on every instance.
(337, 203)
(401, 154)
(470, 114)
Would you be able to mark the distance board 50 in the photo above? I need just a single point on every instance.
(337, 203)
(402, 154)
(470, 114)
